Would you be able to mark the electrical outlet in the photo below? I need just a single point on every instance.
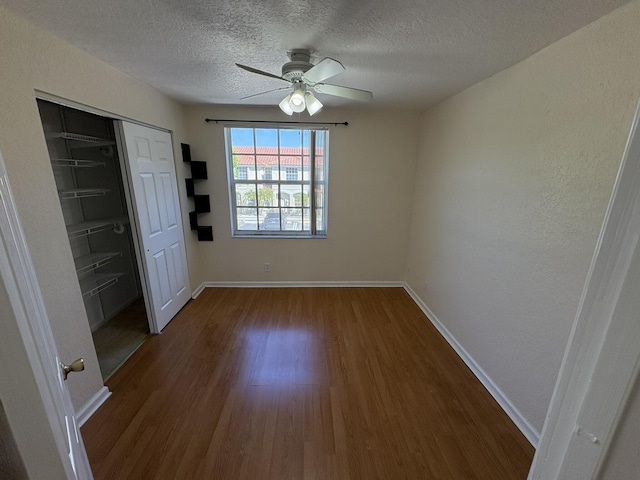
(267, 267)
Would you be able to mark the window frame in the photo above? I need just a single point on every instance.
(311, 182)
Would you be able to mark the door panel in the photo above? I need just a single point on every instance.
(172, 220)
(152, 214)
(163, 276)
(176, 260)
(152, 171)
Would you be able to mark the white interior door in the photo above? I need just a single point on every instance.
(41, 365)
(152, 175)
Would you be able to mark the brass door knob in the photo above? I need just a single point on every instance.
(76, 366)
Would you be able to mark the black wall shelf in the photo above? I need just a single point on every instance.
(199, 170)
(191, 188)
(201, 202)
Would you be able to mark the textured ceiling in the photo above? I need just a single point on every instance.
(409, 53)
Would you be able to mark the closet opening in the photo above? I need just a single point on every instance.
(91, 190)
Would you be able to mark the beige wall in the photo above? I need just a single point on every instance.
(512, 182)
(31, 59)
(371, 164)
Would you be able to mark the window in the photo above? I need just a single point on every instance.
(287, 196)
(243, 173)
(291, 173)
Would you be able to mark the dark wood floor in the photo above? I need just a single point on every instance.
(301, 383)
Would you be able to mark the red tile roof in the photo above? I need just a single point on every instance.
(289, 156)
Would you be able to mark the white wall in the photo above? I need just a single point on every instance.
(512, 182)
(31, 59)
(371, 164)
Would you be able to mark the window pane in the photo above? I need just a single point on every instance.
(319, 195)
(266, 164)
(290, 195)
(292, 219)
(247, 218)
(306, 141)
(245, 195)
(242, 137)
(291, 142)
(266, 137)
(319, 169)
(290, 162)
(320, 156)
(306, 219)
(306, 162)
(305, 195)
(267, 195)
(242, 164)
(269, 219)
(320, 225)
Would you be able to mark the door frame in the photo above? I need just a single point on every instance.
(602, 358)
(49, 402)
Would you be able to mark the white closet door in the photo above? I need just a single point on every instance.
(152, 173)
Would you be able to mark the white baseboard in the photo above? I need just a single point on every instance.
(521, 422)
(200, 288)
(89, 408)
(299, 284)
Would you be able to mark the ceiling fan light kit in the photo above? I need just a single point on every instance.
(304, 77)
(300, 99)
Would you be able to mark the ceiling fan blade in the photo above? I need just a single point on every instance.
(260, 72)
(264, 93)
(325, 68)
(345, 92)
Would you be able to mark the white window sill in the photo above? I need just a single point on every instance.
(266, 235)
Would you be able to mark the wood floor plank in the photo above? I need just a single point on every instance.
(301, 383)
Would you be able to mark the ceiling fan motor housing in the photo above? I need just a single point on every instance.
(299, 64)
(293, 71)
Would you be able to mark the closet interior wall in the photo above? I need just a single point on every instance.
(88, 175)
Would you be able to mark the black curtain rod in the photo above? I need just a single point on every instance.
(218, 120)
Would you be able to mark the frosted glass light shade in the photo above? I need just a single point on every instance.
(297, 108)
(313, 104)
(284, 105)
(297, 99)
(296, 102)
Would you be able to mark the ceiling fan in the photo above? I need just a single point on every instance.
(304, 77)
